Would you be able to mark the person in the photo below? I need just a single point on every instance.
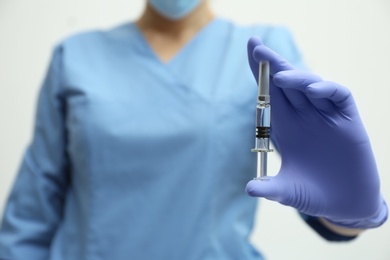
(141, 147)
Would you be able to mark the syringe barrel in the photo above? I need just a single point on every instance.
(263, 120)
(263, 109)
(263, 113)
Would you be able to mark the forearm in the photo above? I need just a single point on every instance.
(31, 216)
(349, 232)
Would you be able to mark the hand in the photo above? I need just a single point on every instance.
(328, 168)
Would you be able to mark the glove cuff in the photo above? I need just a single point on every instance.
(375, 221)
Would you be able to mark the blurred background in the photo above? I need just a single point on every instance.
(344, 41)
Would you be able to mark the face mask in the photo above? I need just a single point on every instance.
(174, 9)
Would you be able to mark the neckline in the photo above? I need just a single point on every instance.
(148, 48)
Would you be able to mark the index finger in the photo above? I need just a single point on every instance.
(277, 62)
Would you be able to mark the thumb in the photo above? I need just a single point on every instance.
(282, 189)
(272, 188)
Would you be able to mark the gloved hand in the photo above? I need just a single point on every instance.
(328, 168)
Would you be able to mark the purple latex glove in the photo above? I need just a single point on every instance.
(328, 168)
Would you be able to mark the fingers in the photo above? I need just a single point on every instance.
(291, 81)
(295, 79)
(324, 95)
(257, 51)
(339, 95)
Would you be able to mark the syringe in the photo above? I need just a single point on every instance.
(263, 121)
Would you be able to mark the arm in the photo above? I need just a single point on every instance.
(35, 205)
(328, 169)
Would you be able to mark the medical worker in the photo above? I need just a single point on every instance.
(141, 146)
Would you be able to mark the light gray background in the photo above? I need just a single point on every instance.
(346, 41)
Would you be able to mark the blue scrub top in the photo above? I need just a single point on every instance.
(133, 158)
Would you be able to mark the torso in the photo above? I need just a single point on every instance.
(160, 151)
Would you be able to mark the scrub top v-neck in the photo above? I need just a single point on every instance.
(149, 52)
(133, 158)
